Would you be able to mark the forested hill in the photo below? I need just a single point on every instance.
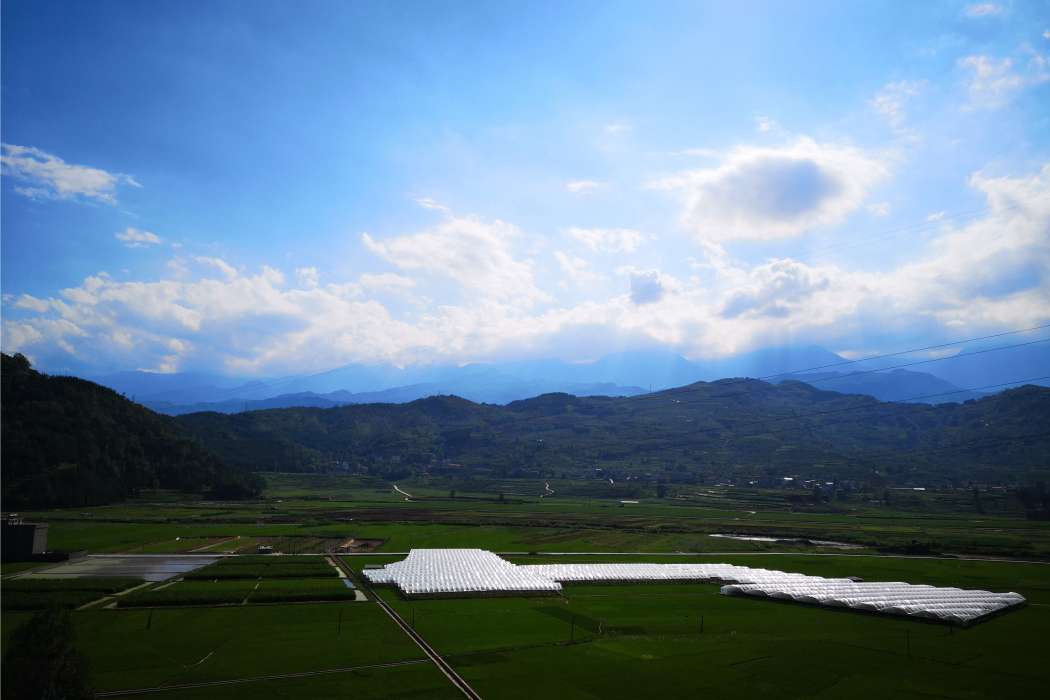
(67, 442)
(728, 428)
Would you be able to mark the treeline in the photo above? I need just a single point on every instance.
(721, 428)
(67, 442)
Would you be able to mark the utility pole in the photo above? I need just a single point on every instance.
(572, 629)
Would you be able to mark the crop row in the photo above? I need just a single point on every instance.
(37, 593)
(230, 593)
(263, 567)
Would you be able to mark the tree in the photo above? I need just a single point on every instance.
(452, 494)
(502, 498)
(661, 490)
(42, 664)
(886, 496)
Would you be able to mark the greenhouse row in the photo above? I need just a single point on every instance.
(451, 573)
(954, 605)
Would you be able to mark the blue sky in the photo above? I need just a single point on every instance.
(263, 188)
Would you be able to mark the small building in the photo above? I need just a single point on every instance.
(265, 549)
(22, 540)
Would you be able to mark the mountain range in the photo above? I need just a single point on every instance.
(973, 372)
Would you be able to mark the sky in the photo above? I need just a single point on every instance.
(261, 188)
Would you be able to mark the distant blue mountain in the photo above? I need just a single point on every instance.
(502, 393)
(625, 373)
(895, 385)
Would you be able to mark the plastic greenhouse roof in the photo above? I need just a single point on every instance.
(471, 572)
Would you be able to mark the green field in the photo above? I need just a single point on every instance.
(37, 594)
(594, 641)
(191, 593)
(265, 566)
(193, 645)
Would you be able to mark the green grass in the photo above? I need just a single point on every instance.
(191, 593)
(37, 594)
(752, 649)
(265, 566)
(457, 626)
(301, 591)
(651, 638)
(416, 681)
(189, 645)
(17, 566)
(234, 592)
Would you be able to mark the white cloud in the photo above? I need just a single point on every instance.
(764, 124)
(428, 203)
(613, 128)
(649, 286)
(50, 177)
(992, 83)
(609, 240)
(890, 102)
(1046, 34)
(386, 282)
(474, 253)
(578, 269)
(32, 303)
(578, 186)
(983, 9)
(992, 274)
(880, 209)
(133, 238)
(307, 276)
(770, 193)
(775, 289)
(227, 270)
(936, 217)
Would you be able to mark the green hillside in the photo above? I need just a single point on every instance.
(67, 442)
(724, 429)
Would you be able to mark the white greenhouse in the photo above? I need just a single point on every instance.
(462, 573)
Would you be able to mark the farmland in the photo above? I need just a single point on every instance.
(247, 617)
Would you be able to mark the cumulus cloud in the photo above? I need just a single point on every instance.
(32, 303)
(889, 103)
(983, 9)
(770, 193)
(879, 209)
(49, 177)
(649, 286)
(775, 289)
(133, 238)
(992, 82)
(608, 240)
(475, 253)
(990, 274)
